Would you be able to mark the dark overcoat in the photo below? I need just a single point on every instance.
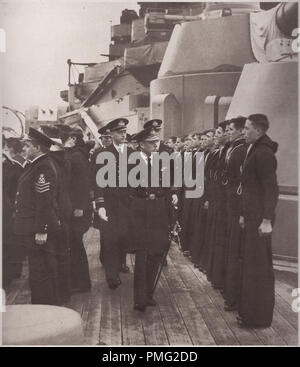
(78, 160)
(150, 219)
(117, 202)
(259, 200)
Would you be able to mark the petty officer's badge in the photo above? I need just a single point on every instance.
(42, 185)
(41, 179)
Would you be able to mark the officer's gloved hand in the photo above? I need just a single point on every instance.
(102, 214)
(78, 213)
(265, 228)
(242, 222)
(174, 199)
(40, 238)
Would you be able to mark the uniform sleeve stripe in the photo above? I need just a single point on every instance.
(40, 191)
(43, 188)
(41, 185)
(99, 200)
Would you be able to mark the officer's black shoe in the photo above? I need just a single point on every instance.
(140, 307)
(124, 269)
(151, 302)
(113, 283)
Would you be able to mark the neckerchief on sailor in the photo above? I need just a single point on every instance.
(231, 149)
(239, 189)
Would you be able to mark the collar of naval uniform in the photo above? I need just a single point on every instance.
(119, 148)
(36, 158)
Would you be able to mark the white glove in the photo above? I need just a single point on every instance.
(40, 238)
(265, 228)
(102, 214)
(174, 199)
(242, 222)
(78, 213)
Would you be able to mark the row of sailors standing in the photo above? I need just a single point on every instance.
(227, 232)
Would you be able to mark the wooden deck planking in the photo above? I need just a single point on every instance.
(285, 309)
(92, 309)
(110, 323)
(211, 315)
(175, 327)
(132, 326)
(284, 329)
(189, 311)
(244, 336)
(284, 291)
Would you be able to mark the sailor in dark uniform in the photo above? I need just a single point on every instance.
(235, 157)
(14, 148)
(13, 167)
(259, 191)
(209, 200)
(37, 220)
(220, 240)
(113, 205)
(77, 154)
(149, 226)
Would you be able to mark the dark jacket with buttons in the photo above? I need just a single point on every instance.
(36, 204)
(116, 200)
(107, 196)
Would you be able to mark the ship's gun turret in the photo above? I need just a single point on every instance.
(287, 18)
(271, 32)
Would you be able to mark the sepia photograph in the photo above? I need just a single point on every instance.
(149, 176)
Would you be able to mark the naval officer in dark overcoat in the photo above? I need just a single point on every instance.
(150, 220)
(113, 205)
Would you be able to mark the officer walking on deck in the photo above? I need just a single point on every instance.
(150, 219)
(113, 205)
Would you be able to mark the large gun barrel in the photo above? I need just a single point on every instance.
(287, 18)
